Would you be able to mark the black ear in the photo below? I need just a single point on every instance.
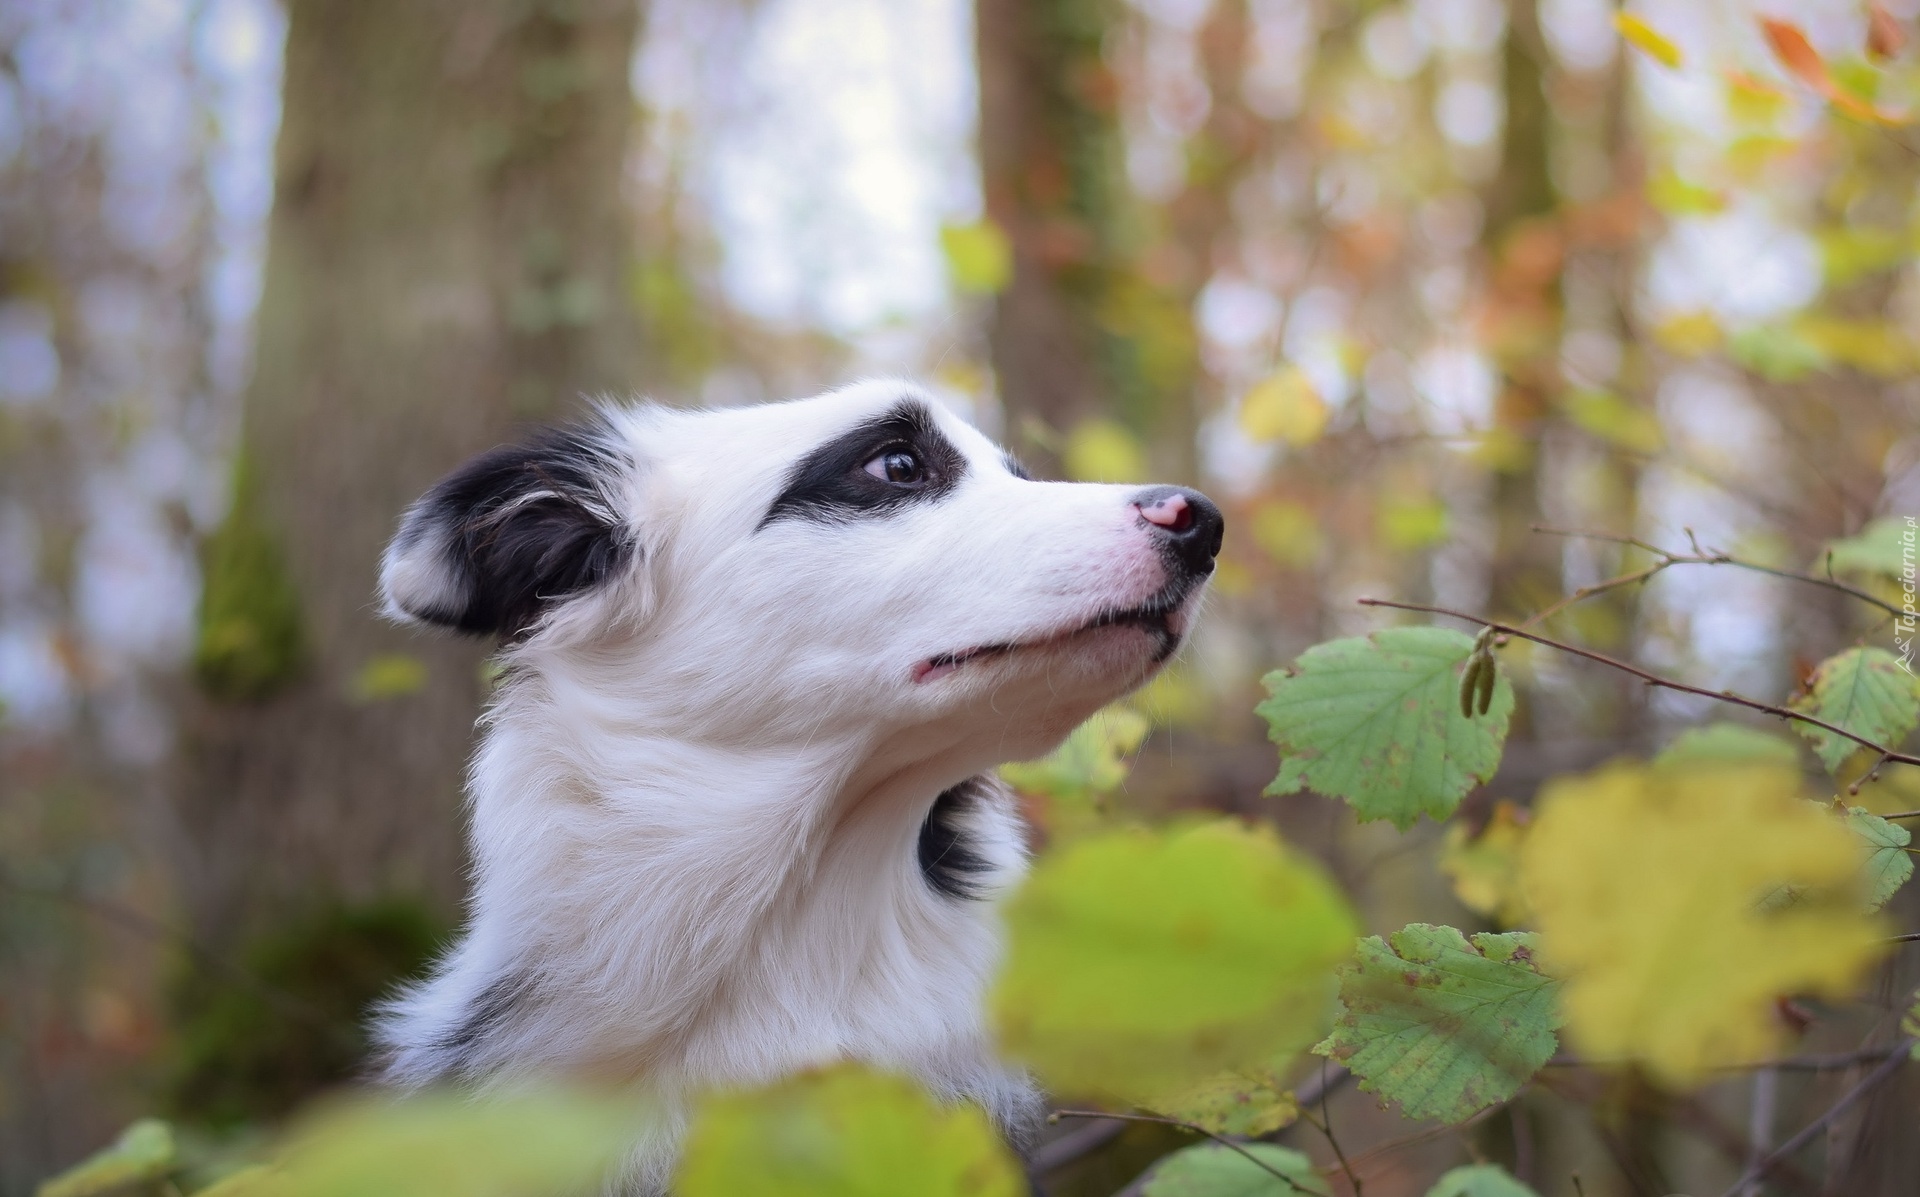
(513, 531)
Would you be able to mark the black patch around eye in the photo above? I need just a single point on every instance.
(831, 484)
(524, 526)
(948, 859)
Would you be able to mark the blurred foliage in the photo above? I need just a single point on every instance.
(251, 639)
(255, 1043)
(844, 1132)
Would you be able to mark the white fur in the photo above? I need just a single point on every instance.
(696, 800)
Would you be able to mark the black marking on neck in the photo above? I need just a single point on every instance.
(948, 857)
(1016, 467)
(488, 1009)
(830, 484)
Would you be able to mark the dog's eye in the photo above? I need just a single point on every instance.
(897, 465)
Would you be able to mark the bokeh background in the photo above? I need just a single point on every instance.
(1395, 280)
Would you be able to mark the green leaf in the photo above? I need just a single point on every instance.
(1377, 721)
(1865, 691)
(1727, 743)
(504, 1146)
(1615, 420)
(1143, 961)
(1443, 1026)
(144, 1151)
(1092, 762)
(1211, 1170)
(1888, 864)
(257, 1181)
(1479, 1180)
(390, 675)
(1777, 354)
(1251, 1102)
(1881, 547)
(979, 257)
(1104, 451)
(843, 1132)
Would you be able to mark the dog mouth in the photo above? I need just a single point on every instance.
(1161, 617)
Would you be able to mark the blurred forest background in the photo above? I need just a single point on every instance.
(1395, 280)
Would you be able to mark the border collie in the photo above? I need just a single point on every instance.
(733, 809)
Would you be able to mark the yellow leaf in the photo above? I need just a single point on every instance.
(1289, 534)
(1645, 884)
(1690, 334)
(1103, 451)
(1502, 450)
(1647, 40)
(1614, 419)
(1249, 1102)
(1677, 196)
(1752, 100)
(390, 675)
(1485, 869)
(979, 257)
(1873, 346)
(1413, 523)
(1285, 407)
(1092, 762)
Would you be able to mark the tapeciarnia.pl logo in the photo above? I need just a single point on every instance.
(1903, 625)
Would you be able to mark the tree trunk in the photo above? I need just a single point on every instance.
(448, 258)
(1052, 166)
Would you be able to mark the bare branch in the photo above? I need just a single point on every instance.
(1651, 679)
(1867, 1084)
(1195, 1128)
(1700, 556)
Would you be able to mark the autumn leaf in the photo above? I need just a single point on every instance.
(979, 257)
(1285, 407)
(1479, 1180)
(143, 1152)
(1804, 63)
(1727, 743)
(1444, 1026)
(1865, 691)
(1376, 721)
(1246, 1102)
(1485, 868)
(1216, 1170)
(1646, 39)
(1886, 37)
(1092, 762)
(445, 1142)
(844, 1132)
(1878, 548)
(1645, 884)
(1888, 863)
(1140, 962)
(1103, 451)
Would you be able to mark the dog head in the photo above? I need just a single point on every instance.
(863, 562)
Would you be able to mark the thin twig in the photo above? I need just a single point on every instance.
(1704, 557)
(1652, 679)
(1830, 1062)
(1909, 937)
(1905, 814)
(1074, 1146)
(1195, 1128)
(1766, 1098)
(1326, 1130)
(1867, 1084)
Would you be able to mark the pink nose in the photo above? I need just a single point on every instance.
(1172, 512)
